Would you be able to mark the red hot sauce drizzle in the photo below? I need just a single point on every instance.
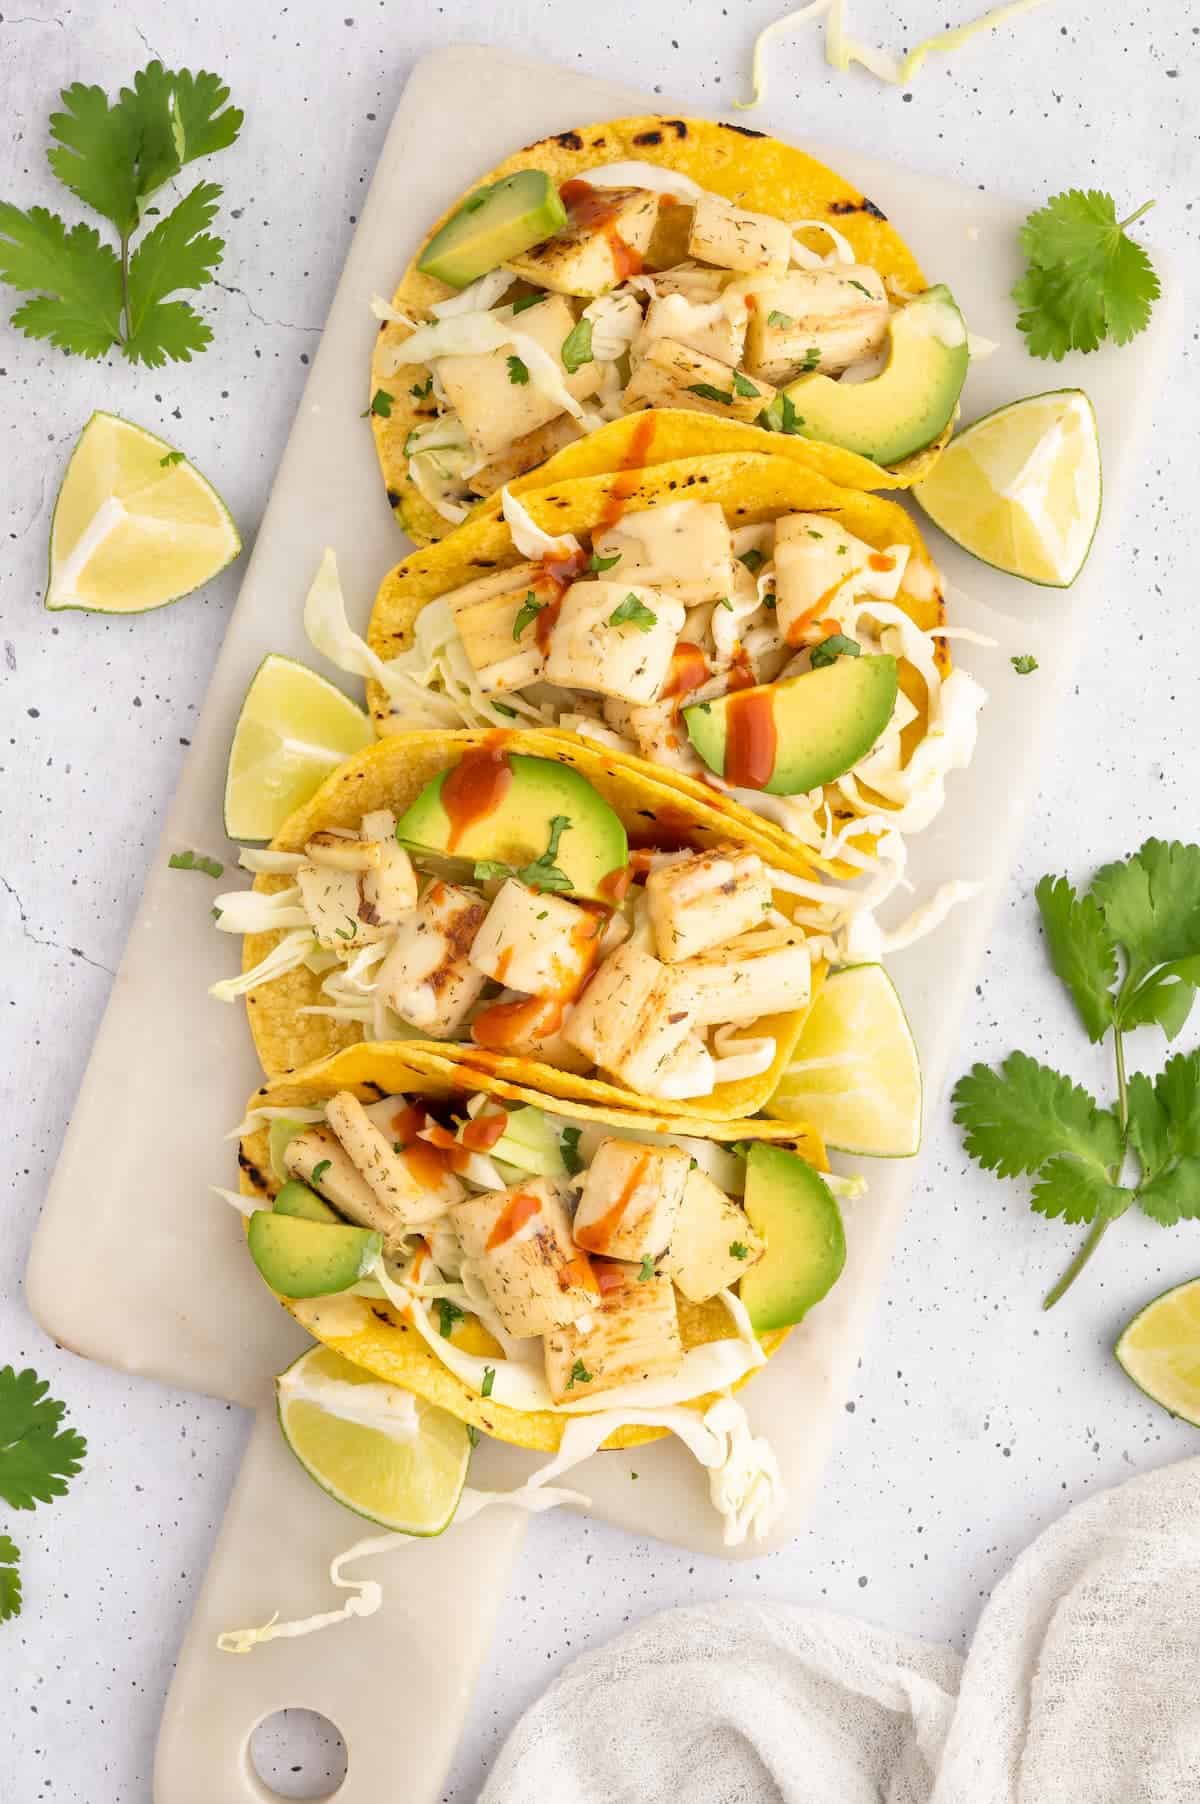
(476, 787)
(750, 739)
(592, 209)
(512, 1218)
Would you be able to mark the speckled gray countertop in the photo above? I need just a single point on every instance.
(975, 1419)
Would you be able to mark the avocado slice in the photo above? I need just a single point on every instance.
(301, 1258)
(282, 1130)
(798, 1217)
(492, 226)
(297, 1199)
(908, 404)
(517, 830)
(824, 721)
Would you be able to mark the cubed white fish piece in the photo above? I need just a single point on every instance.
(498, 403)
(632, 1334)
(687, 1072)
(630, 1198)
(614, 638)
(604, 241)
(713, 1244)
(519, 1241)
(525, 453)
(671, 374)
(734, 238)
(631, 1018)
(319, 1151)
(538, 943)
(817, 565)
(335, 904)
(704, 900)
(381, 1161)
(485, 613)
(403, 1126)
(427, 977)
(743, 981)
(816, 319)
(710, 327)
(685, 548)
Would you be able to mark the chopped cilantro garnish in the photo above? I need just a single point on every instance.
(744, 387)
(707, 392)
(319, 1169)
(541, 874)
(1024, 663)
(577, 346)
(579, 1375)
(381, 404)
(647, 1270)
(632, 612)
(526, 302)
(518, 372)
(600, 564)
(570, 1150)
(753, 560)
(776, 318)
(420, 390)
(170, 460)
(528, 612)
(831, 649)
(489, 1379)
(195, 861)
(448, 1314)
(738, 1250)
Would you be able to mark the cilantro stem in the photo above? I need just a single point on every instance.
(1145, 208)
(1099, 1228)
(125, 285)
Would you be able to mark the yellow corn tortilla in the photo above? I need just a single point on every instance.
(742, 166)
(373, 1334)
(390, 774)
(751, 487)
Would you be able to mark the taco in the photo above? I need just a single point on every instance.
(677, 265)
(572, 923)
(562, 1276)
(766, 640)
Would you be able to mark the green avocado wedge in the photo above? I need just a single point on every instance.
(298, 1200)
(300, 1258)
(910, 402)
(517, 830)
(823, 722)
(797, 1215)
(492, 226)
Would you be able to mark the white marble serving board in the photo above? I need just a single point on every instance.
(171, 1070)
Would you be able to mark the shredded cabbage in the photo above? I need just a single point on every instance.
(252, 911)
(253, 858)
(841, 51)
(472, 334)
(286, 956)
(644, 175)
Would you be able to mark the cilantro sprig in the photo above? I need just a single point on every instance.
(1087, 280)
(542, 873)
(85, 295)
(1127, 951)
(38, 1457)
(196, 861)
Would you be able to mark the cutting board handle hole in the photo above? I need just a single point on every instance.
(298, 1754)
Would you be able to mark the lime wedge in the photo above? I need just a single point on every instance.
(1160, 1350)
(406, 1473)
(855, 1075)
(1021, 488)
(135, 526)
(294, 728)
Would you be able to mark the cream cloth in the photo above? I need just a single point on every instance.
(1081, 1686)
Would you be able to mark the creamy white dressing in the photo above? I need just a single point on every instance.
(652, 176)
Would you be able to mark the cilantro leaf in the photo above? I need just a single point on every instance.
(831, 649)
(448, 1314)
(781, 415)
(1024, 663)
(743, 386)
(776, 318)
(37, 1455)
(1151, 903)
(541, 874)
(600, 564)
(113, 157)
(1086, 280)
(577, 346)
(1018, 1118)
(1081, 951)
(1165, 998)
(646, 1269)
(579, 1375)
(381, 404)
(10, 1580)
(1164, 1129)
(753, 560)
(1076, 1193)
(177, 253)
(195, 861)
(518, 372)
(77, 279)
(632, 612)
(707, 392)
(527, 613)
(95, 153)
(572, 1158)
